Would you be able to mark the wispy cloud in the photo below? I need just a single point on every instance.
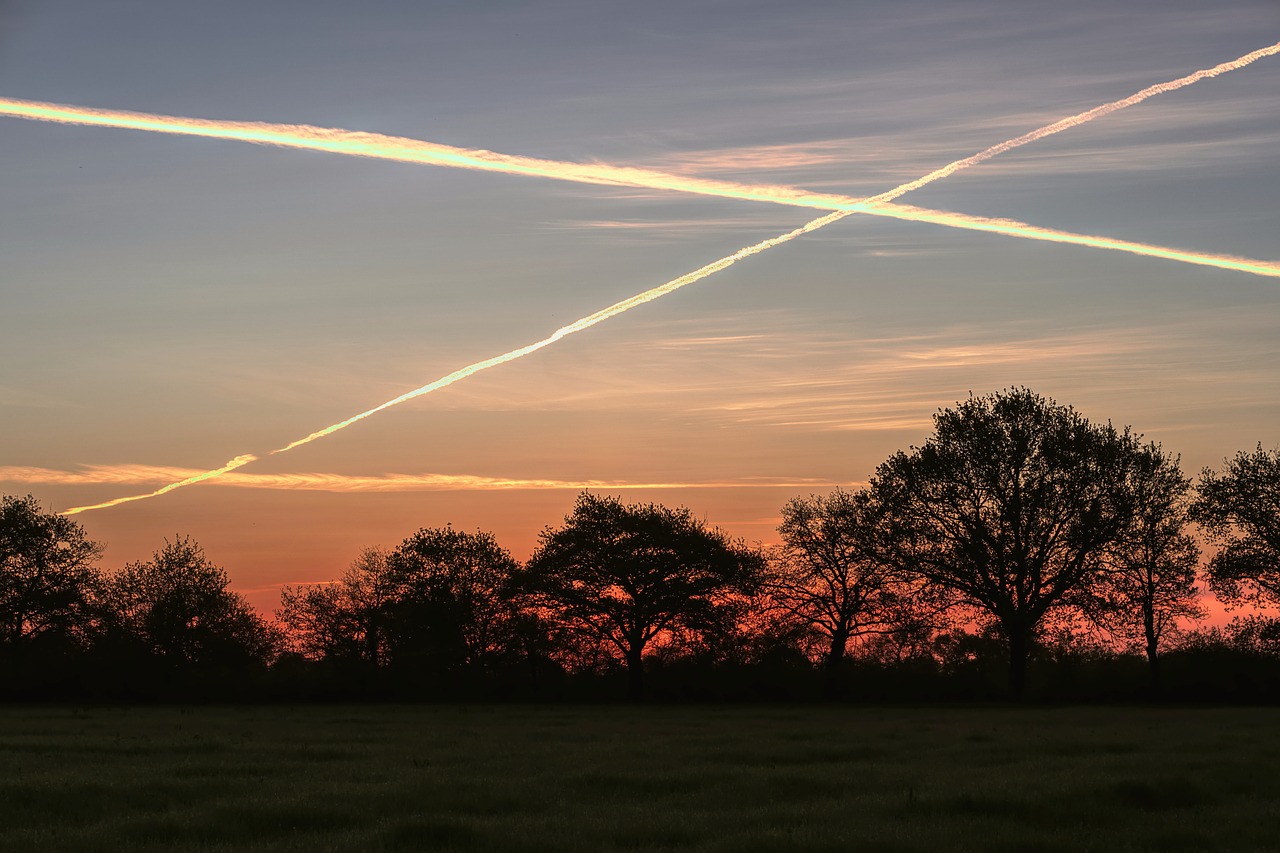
(897, 384)
(1215, 135)
(661, 227)
(657, 224)
(774, 369)
(92, 475)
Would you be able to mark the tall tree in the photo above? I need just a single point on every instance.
(828, 572)
(1010, 506)
(178, 606)
(1240, 511)
(624, 574)
(1149, 586)
(47, 575)
(450, 602)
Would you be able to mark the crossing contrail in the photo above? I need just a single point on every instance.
(1014, 228)
(403, 149)
(231, 465)
(377, 146)
(1081, 118)
(675, 284)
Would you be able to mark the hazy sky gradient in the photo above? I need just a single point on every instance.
(174, 302)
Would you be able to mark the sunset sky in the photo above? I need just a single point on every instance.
(171, 302)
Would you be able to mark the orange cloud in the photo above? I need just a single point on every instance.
(91, 475)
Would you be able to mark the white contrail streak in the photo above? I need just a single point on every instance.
(576, 326)
(1079, 119)
(1014, 228)
(376, 146)
(471, 369)
(716, 266)
(402, 149)
(406, 150)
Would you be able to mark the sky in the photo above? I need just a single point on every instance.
(172, 302)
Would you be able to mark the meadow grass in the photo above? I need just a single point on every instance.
(525, 778)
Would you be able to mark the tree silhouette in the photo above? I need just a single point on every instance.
(450, 600)
(48, 581)
(1010, 506)
(1240, 511)
(624, 574)
(178, 607)
(344, 620)
(1150, 582)
(828, 573)
(435, 606)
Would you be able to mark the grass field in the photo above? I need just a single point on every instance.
(621, 778)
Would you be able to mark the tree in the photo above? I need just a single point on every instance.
(178, 607)
(625, 574)
(1150, 581)
(450, 601)
(47, 575)
(828, 573)
(1239, 509)
(437, 605)
(1009, 507)
(344, 620)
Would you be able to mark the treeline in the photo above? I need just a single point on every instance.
(1020, 551)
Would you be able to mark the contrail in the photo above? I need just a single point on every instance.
(511, 355)
(576, 326)
(1014, 228)
(1065, 124)
(403, 149)
(1080, 118)
(376, 146)
(406, 150)
(233, 464)
(716, 266)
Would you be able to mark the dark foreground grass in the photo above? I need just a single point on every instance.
(661, 778)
